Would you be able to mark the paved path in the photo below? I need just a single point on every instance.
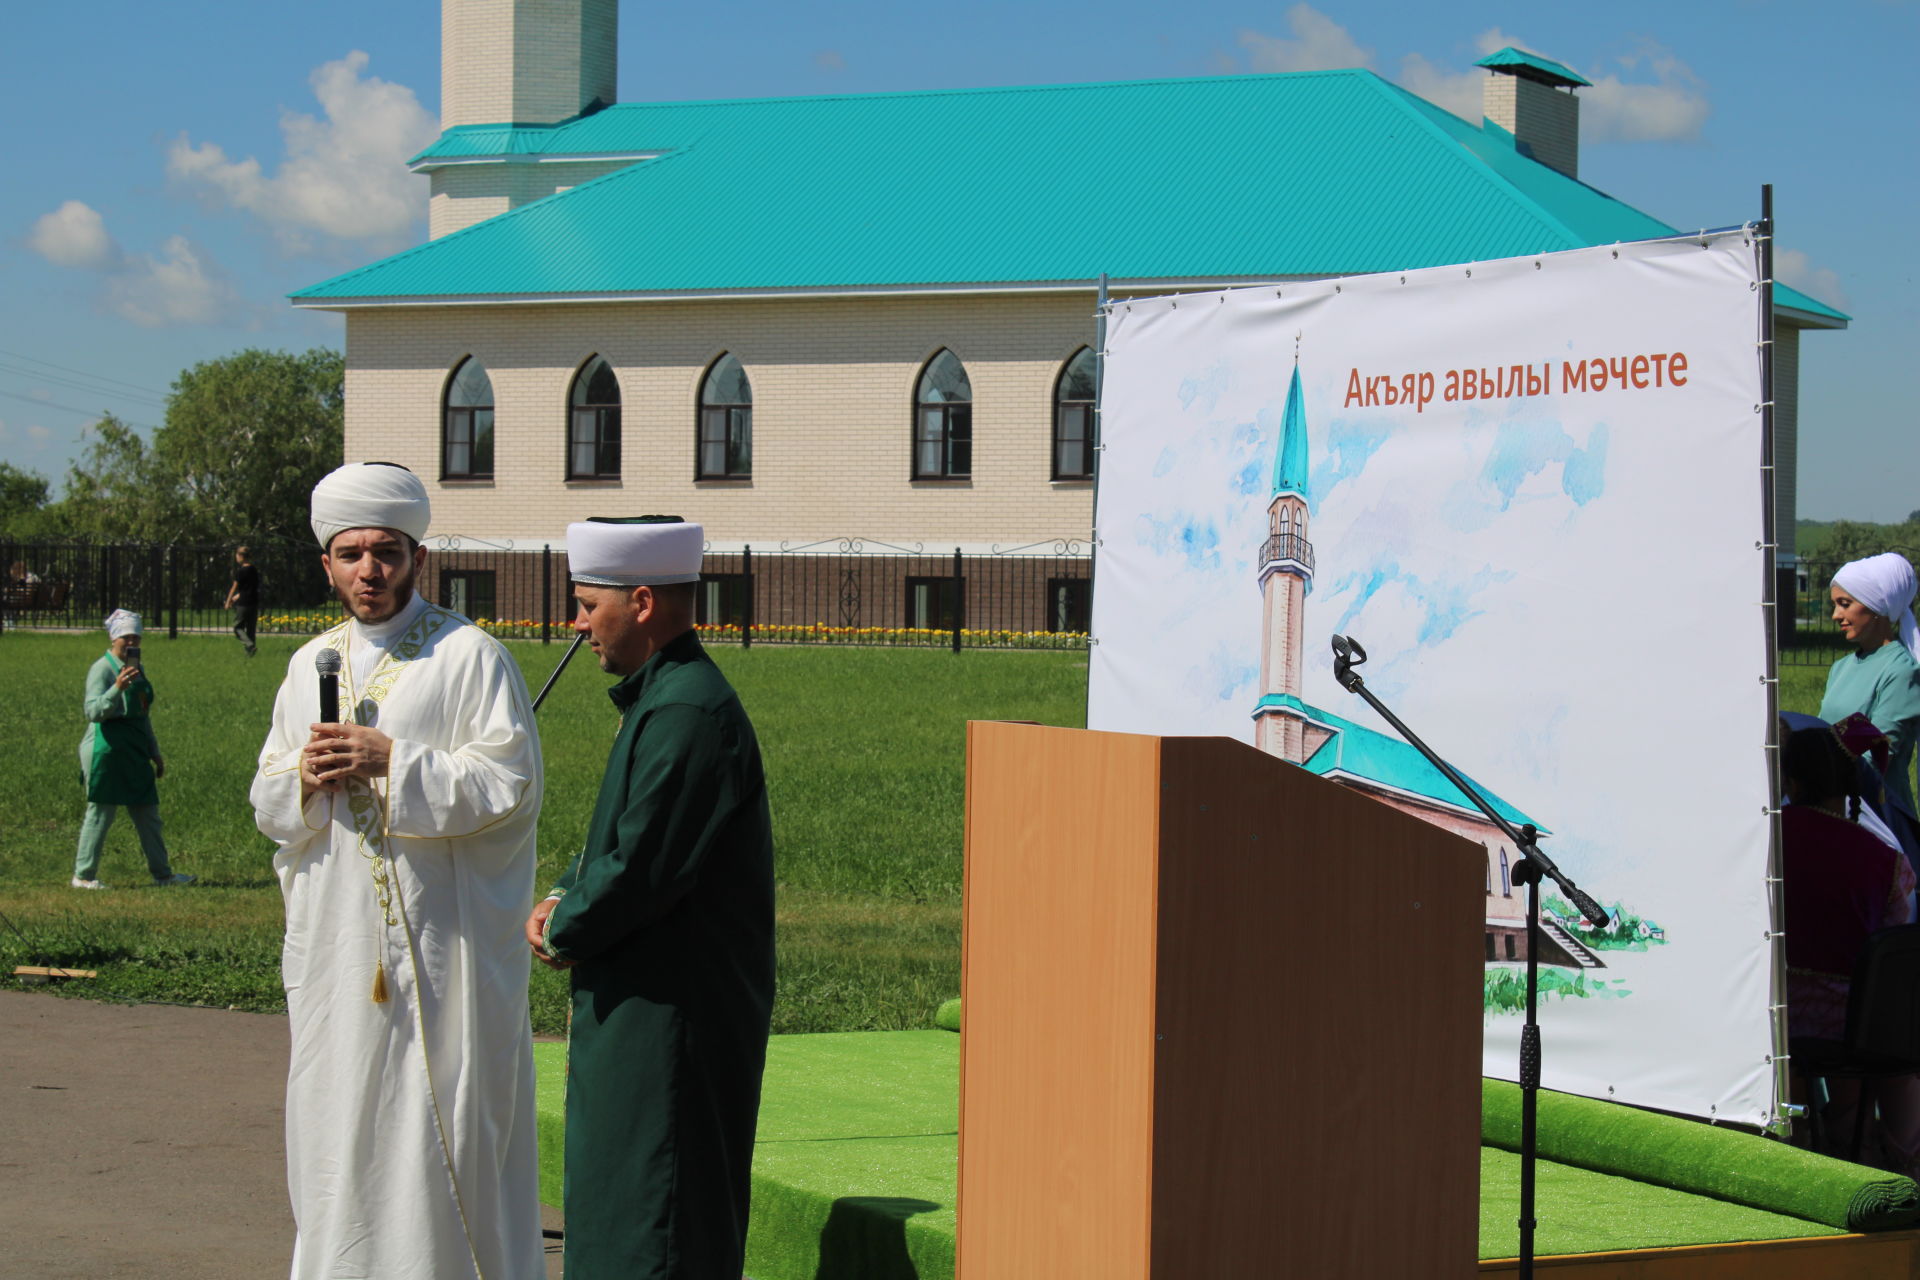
(144, 1141)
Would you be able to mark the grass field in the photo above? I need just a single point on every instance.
(864, 753)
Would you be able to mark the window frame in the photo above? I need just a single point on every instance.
(468, 580)
(953, 427)
(1056, 442)
(606, 420)
(736, 433)
(948, 599)
(1083, 610)
(450, 414)
(724, 594)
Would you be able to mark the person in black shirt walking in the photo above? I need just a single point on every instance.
(243, 597)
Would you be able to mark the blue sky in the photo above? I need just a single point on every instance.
(176, 169)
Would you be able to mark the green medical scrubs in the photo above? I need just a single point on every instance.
(116, 766)
(1884, 686)
(668, 912)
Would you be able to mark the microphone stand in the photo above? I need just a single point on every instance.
(565, 658)
(1532, 867)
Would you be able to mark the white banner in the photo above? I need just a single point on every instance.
(1532, 489)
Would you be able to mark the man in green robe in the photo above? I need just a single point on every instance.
(120, 757)
(665, 919)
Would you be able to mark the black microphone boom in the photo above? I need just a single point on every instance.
(327, 663)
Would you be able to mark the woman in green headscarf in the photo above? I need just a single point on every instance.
(120, 760)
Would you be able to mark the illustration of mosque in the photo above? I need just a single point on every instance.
(1374, 763)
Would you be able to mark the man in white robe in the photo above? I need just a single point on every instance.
(406, 857)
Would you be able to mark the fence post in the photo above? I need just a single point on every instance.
(155, 569)
(173, 593)
(959, 600)
(746, 612)
(546, 594)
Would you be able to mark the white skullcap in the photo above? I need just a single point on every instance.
(1885, 584)
(650, 551)
(370, 495)
(121, 623)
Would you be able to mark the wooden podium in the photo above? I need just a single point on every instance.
(1221, 1019)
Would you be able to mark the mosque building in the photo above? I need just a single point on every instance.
(1374, 763)
(871, 317)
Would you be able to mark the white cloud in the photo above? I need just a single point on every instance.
(74, 235)
(1665, 102)
(1792, 266)
(1318, 44)
(1456, 91)
(1670, 109)
(180, 285)
(343, 176)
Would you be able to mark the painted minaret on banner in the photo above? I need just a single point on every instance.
(1365, 759)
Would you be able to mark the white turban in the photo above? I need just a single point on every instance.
(121, 623)
(643, 551)
(370, 495)
(1885, 584)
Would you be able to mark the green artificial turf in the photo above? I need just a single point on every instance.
(855, 1171)
(1705, 1160)
(1581, 1211)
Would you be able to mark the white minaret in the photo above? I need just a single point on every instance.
(526, 61)
(1286, 576)
(517, 62)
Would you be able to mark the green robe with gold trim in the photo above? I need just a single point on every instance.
(668, 912)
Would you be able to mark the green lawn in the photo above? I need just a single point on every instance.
(864, 751)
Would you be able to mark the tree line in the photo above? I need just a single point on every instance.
(244, 440)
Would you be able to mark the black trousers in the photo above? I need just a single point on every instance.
(244, 618)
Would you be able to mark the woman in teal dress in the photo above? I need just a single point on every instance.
(1873, 605)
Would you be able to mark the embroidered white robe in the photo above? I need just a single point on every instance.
(410, 1123)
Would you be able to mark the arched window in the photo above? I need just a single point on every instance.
(726, 423)
(1506, 877)
(943, 420)
(593, 433)
(1073, 419)
(466, 437)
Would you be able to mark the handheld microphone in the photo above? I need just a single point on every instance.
(327, 663)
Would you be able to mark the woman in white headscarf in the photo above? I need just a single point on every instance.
(1873, 605)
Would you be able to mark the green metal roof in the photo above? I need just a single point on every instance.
(1534, 67)
(1310, 174)
(1371, 756)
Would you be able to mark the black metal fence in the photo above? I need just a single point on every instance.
(1813, 638)
(846, 591)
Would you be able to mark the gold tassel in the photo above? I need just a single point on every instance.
(379, 984)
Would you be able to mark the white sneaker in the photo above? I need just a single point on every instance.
(78, 883)
(175, 878)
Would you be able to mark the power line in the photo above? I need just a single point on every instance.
(89, 413)
(97, 377)
(73, 384)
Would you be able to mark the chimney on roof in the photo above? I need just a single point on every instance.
(1532, 98)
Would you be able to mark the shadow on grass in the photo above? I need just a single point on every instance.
(866, 1237)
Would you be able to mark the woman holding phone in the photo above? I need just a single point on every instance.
(120, 760)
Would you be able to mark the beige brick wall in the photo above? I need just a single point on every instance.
(525, 61)
(1546, 118)
(833, 385)
(462, 195)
